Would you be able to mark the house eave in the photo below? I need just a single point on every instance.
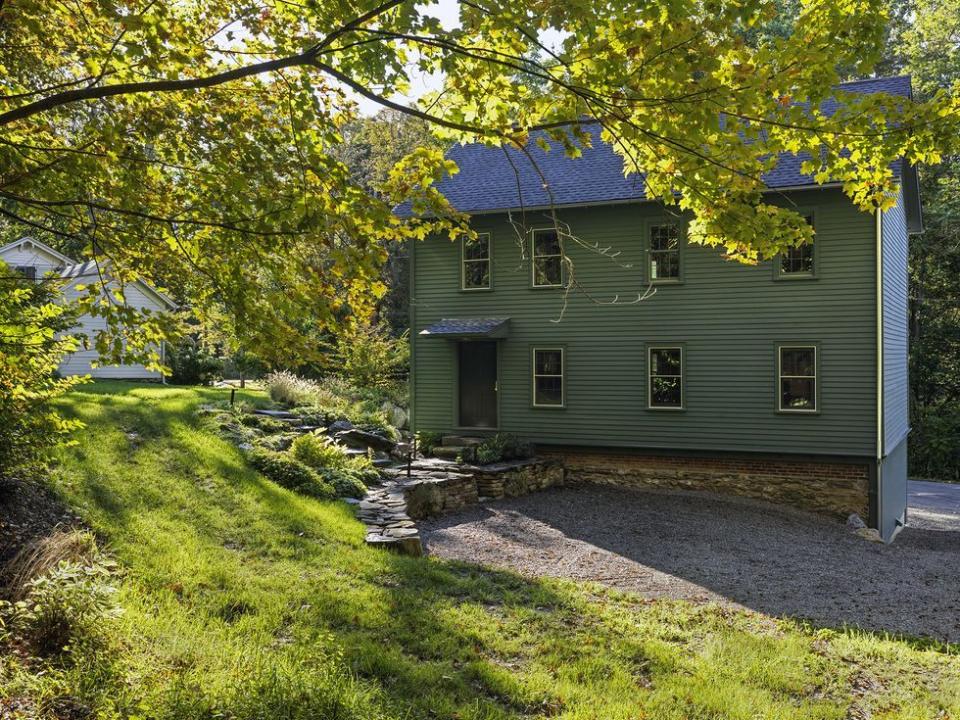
(627, 201)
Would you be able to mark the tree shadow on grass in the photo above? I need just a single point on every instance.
(430, 638)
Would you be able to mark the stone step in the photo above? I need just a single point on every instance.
(452, 452)
(409, 545)
(460, 441)
(277, 414)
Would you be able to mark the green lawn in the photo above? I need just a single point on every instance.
(243, 600)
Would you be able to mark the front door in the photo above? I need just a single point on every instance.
(478, 384)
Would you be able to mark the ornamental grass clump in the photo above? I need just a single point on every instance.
(288, 389)
(62, 594)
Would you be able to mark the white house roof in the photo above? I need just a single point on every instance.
(32, 242)
(91, 268)
(73, 269)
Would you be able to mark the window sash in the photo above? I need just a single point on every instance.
(537, 257)
(653, 374)
(664, 251)
(466, 262)
(537, 376)
(813, 380)
(799, 261)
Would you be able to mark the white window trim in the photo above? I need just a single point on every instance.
(488, 260)
(815, 377)
(534, 256)
(534, 375)
(650, 376)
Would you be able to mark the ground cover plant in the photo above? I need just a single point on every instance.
(379, 409)
(244, 600)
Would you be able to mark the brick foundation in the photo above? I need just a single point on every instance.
(833, 488)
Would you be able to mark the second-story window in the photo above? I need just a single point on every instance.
(664, 252)
(28, 271)
(666, 378)
(798, 261)
(475, 263)
(547, 259)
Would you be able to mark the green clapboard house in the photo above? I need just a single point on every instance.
(785, 381)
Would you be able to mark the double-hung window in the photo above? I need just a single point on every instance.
(28, 271)
(665, 378)
(797, 378)
(798, 262)
(548, 369)
(547, 259)
(475, 263)
(664, 252)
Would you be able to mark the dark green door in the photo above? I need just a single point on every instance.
(478, 384)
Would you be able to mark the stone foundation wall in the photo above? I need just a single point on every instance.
(832, 488)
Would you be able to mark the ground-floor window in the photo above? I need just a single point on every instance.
(665, 378)
(797, 378)
(548, 369)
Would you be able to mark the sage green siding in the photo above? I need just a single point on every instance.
(896, 380)
(727, 316)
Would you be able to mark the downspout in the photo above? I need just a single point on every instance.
(411, 334)
(880, 438)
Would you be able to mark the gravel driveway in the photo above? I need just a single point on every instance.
(704, 547)
(933, 505)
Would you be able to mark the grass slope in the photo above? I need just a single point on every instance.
(243, 600)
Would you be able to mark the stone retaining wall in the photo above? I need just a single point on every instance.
(516, 479)
(442, 492)
(833, 488)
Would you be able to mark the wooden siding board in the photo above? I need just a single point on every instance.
(896, 384)
(728, 316)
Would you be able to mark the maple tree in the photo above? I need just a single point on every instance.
(194, 144)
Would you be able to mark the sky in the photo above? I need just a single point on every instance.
(447, 12)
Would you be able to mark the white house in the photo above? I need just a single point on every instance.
(34, 259)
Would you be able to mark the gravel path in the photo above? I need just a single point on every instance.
(933, 505)
(704, 547)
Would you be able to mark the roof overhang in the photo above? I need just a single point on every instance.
(911, 198)
(37, 245)
(468, 329)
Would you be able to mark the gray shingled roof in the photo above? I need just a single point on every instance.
(468, 327)
(492, 179)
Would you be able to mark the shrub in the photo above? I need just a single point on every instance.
(345, 482)
(290, 473)
(62, 593)
(370, 356)
(934, 450)
(287, 389)
(318, 452)
(277, 443)
(265, 423)
(190, 364)
(29, 425)
(427, 441)
(500, 447)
